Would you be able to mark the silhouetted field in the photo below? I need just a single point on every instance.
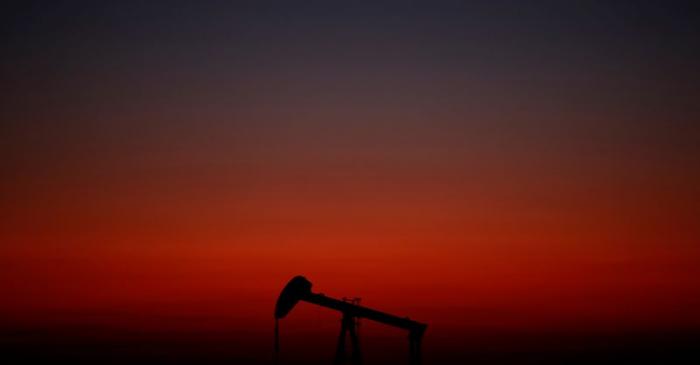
(101, 346)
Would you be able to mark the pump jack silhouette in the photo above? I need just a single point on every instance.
(299, 288)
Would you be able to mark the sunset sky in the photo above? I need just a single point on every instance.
(488, 166)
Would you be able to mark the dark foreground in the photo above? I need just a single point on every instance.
(100, 346)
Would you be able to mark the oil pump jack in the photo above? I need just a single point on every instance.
(299, 289)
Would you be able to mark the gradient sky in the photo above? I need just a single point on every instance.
(475, 165)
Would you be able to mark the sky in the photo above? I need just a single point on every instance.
(490, 168)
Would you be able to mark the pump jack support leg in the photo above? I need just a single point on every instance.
(356, 355)
(340, 350)
(414, 342)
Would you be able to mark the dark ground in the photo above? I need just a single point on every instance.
(100, 346)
